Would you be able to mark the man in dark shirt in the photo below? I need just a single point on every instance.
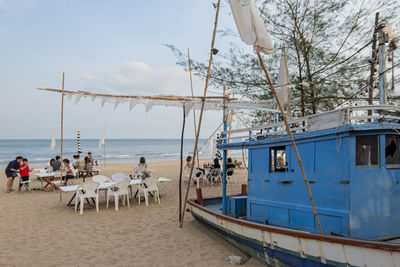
(229, 167)
(57, 164)
(11, 172)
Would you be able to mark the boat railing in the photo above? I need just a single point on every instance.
(354, 115)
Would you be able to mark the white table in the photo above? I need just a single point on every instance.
(44, 176)
(104, 186)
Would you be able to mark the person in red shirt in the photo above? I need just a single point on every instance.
(24, 172)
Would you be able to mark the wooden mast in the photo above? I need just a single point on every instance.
(291, 139)
(202, 109)
(194, 112)
(181, 165)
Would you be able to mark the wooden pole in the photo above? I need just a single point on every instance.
(181, 166)
(62, 127)
(194, 112)
(104, 152)
(291, 139)
(202, 109)
(373, 63)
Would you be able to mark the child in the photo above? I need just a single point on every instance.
(24, 172)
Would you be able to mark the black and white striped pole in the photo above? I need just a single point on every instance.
(78, 140)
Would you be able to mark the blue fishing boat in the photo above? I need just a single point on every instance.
(351, 157)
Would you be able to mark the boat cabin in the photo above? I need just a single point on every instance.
(352, 162)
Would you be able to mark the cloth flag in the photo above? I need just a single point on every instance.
(284, 88)
(53, 142)
(250, 26)
(102, 139)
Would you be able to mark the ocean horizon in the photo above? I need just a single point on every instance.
(39, 153)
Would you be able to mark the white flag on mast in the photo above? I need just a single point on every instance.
(284, 88)
(102, 139)
(53, 141)
(250, 26)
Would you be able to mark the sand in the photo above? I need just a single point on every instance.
(36, 229)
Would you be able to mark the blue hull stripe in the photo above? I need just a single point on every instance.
(281, 256)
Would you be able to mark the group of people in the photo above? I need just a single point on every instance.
(20, 166)
(215, 168)
(77, 164)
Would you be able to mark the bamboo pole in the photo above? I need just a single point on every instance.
(194, 112)
(171, 98)
(62, 128)
(291, 139)
(202, 109)
(181, 165)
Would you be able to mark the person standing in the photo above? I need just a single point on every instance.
(12, 172)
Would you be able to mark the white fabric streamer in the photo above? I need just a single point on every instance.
(103, 100)
(77, 98)
(188, 107)
(250, 26)
(148, 105)
(132, 104)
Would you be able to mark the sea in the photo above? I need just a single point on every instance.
(39, 153)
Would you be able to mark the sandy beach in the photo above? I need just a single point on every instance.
(36, 229)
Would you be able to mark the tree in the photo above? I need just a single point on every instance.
(328, 47)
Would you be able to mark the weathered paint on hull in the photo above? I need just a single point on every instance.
(293, 248)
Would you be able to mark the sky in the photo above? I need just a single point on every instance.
(102, 46)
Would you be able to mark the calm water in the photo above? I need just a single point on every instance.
(117, 150)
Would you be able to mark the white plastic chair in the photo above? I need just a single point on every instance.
(87, 190)
(149, 186)
(101, 179)
(25, 184)
(117, 190)
(117, 177)
(196, 180)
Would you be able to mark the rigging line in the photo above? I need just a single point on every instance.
(363, 88)
(343, 61)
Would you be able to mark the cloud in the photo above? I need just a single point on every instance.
(136, 77)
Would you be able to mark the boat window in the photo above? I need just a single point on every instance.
(277, 159)
(367, 152)
(392, 153)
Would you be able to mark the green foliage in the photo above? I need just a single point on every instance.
(328, 47)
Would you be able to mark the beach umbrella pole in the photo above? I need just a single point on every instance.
(201, 110)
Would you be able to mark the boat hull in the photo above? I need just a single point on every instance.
(278, 246)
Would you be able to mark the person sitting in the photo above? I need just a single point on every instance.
(229, 167)
(88, 166)
(12, 172)
(215, 171)
(141, 171)
(188, 162)
(49, 168)
(24, 172)
(69, 170)
(142, 162)
(196, 171)
(90, 156)
(75, 161)
(56, 164)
